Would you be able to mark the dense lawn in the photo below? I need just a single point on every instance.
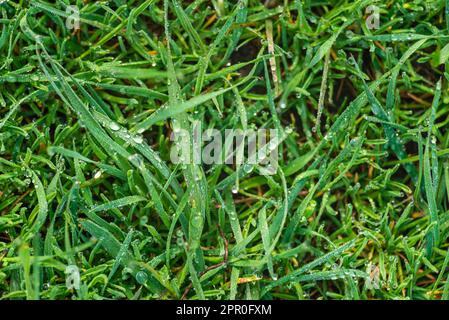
(357, 206)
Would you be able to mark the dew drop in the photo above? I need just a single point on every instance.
(97, 175)
(138, 139)
(179, 233)
(180, 242)
(114, 126)
(282, 104)
(141, 277)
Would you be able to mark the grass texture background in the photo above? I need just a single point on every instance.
(358, 208)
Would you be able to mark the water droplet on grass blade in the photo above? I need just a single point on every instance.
(180, 241)
(114, 126)
(137, 160)
(282, 104)
(248, 168)
(138, 139)
(141, 277)
(97, 175)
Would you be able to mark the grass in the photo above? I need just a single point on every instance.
(358, 208)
